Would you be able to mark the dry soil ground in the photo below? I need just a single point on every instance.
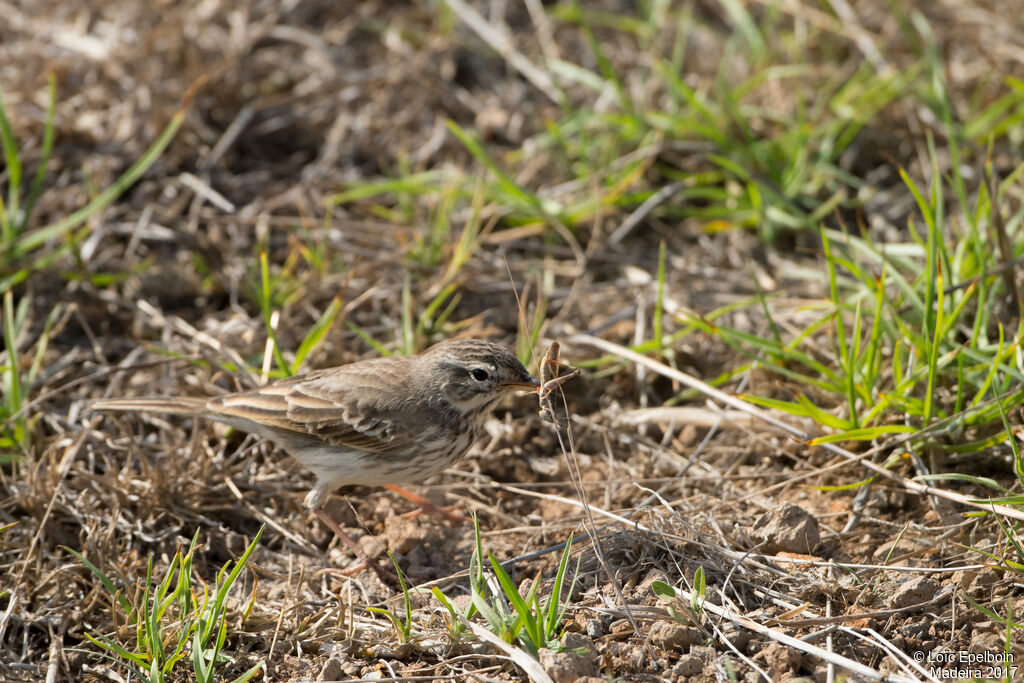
(292, 102)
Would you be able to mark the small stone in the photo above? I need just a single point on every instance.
(986, 641)
(404, 534)
(984, 583)
(706, 654)
(672, 636)
(643, 590)
(788, 529)
(913, 592)
(964, 577)
(779, 660)
(372, 546)
(578, 641)
(566, 667)
(739, 637)
(887, 551)
(688, 665)
(492, 122)
(621, 626)
(401, 652)
(333, 669)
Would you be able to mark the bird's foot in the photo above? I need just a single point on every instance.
(449, 512)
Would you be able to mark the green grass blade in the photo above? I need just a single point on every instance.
(127, 658)
(936, 342)
(822, 417)
(266, 305)
(862, 434)
(43, 344)
(550, 621)
(969, 478)
(105, 580)
(990, 614)
(846, 487)
(260, 666)
(520, 605)
(316, 333)
(523, 197)
(418, 183)
(366, 337)
(802, 408)
(455, 627)
(12, 384)
(429, 319)
(239, 565)
(1018, 462)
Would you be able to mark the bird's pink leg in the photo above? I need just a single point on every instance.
(449, 513)
(365, 560)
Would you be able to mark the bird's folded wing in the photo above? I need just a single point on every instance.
(330, 407)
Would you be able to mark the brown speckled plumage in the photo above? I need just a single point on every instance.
(375, 422)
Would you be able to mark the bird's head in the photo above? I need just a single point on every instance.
(473, 374)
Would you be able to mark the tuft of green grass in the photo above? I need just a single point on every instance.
(531, 620)
(909, 351)
(457, 630)
(16, 381)
(175, 619)
(403, 625)
(15, 434)
(537, 622)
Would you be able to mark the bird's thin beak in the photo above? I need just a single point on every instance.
(529, 383)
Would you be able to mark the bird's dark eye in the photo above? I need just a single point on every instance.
(479, 374)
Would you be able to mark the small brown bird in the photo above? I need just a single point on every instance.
(375, 422)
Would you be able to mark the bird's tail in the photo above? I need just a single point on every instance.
(155, 404)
